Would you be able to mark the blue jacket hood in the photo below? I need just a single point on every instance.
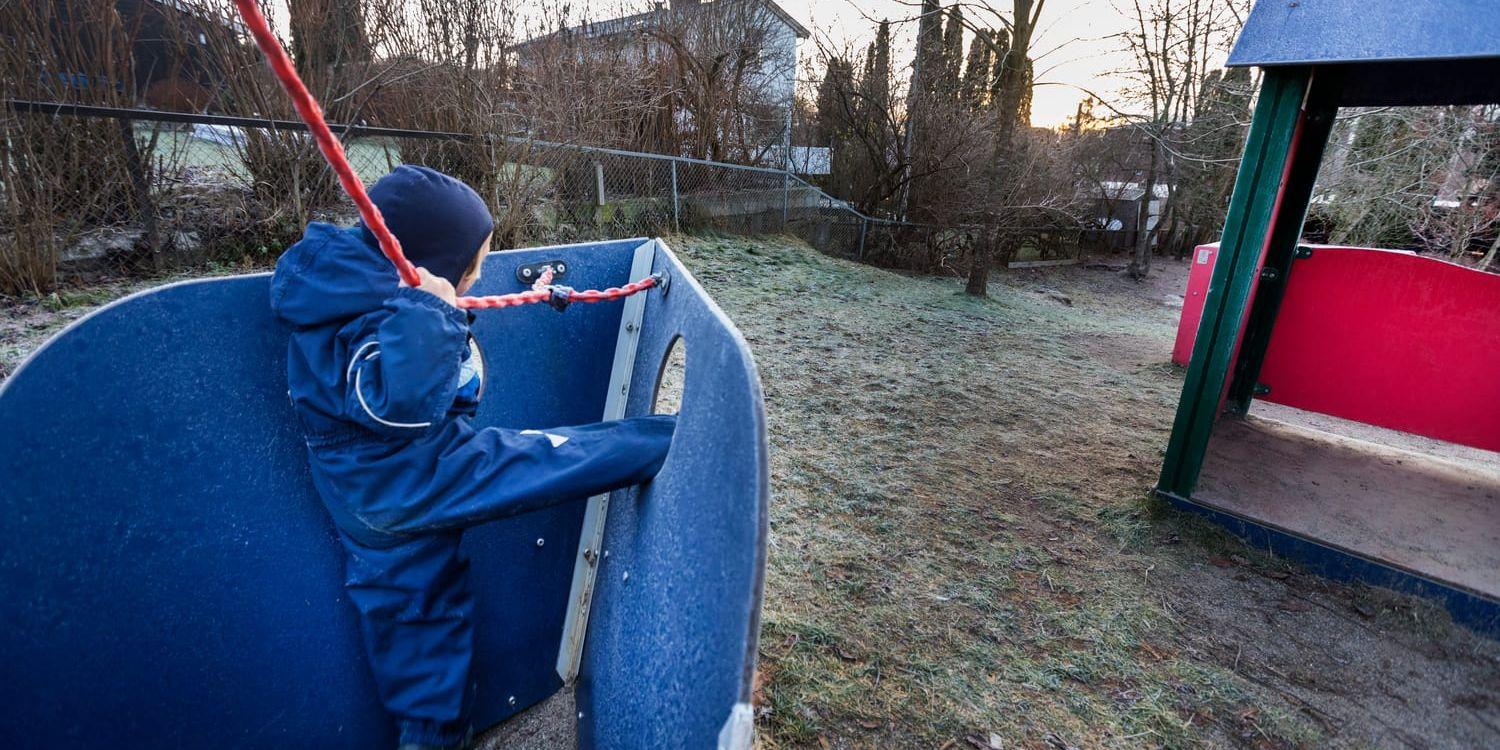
(331, 275)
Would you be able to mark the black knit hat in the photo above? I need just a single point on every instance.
(440, 222)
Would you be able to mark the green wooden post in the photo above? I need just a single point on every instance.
(1282, 250)
(1246, 229)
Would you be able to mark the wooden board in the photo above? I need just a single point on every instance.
(1435, 517)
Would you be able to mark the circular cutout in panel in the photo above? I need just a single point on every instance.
(670, 380)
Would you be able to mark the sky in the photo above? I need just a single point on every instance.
(1072, 48)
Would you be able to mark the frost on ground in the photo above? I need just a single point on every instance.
(962, 550)
(25, 324)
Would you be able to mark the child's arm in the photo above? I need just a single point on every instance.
(403, 369)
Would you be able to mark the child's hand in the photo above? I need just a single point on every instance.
(437, 286)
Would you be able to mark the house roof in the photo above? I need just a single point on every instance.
(801, 31)
(612, 26)
(1131, 191)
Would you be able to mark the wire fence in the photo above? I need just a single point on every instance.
(190, 189)
(133, 191)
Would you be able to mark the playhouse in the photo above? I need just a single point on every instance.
(1342, 405)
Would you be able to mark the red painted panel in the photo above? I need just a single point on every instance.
(1391, 339)
(1199, 275)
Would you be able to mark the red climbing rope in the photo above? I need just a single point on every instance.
(560, 296)
(333, 151)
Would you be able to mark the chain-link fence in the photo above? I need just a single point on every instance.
(185, 190)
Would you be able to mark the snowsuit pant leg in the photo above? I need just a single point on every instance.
(416, 619)
(410, 582)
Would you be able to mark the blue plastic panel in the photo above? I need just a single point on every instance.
(672, 640)
(1287, 32)
(171, 580)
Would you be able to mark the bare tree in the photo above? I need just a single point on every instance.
(58, 182)
(326, 36)
(608, 91)
(286, 175)
(705, 80)
(961, 147)
(1426, 178)
(1206, 153)
(1466, 204)
(1171, 47)
(728, 72)
(866, 124)
(1013, 95)
(1105, 156)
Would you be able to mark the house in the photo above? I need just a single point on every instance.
(1119, 205)
(1116, 217)
(711, 31)
(174, 51)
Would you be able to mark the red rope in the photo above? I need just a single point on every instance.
(545, 295)
(333, 152)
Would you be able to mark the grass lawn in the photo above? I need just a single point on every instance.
(963, 553)
(371, 158)
(962, 550)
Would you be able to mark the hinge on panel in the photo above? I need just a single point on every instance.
(1302, 251)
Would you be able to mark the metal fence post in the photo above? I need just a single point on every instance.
(863, 223)
(786, 198)
(676, 205)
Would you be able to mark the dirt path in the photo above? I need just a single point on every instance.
(962, 551)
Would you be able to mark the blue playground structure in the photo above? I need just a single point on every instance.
(172, 581)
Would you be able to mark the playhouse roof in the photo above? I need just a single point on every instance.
(1391, 52)
(1283, 32)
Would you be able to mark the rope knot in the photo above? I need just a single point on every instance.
(560, 297)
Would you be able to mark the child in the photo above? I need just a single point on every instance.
(384, 379)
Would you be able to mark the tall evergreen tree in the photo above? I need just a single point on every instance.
(953, 54)
(976, 76)
(877, 78)
(928, 60)
(1000, 80)
(1012, 107)
(1000, 40)
(834, 105)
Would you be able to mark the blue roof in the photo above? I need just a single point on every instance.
(1290, 32)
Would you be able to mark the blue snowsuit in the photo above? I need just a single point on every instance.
(384, 380)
